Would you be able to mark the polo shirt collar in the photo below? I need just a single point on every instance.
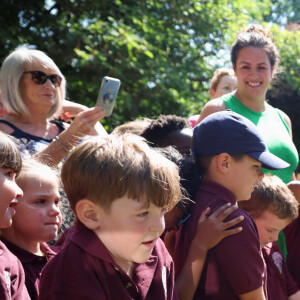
(220, 191)
(87, 240)
(27, 257)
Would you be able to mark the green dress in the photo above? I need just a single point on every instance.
(276, 133)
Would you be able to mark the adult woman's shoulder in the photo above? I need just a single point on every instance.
(6, 128)
(211, 107)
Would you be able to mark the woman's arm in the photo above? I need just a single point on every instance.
(210, 232)
(82, 125)
(210, 107)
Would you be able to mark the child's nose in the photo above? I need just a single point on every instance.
(54, 209)
(260, 173)
(19, 192)
(158, 225)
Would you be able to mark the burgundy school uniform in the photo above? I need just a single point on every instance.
(280, 284)
(235, 266)
(85, 270)
(12, 278)
(32, 264)
(292, 235)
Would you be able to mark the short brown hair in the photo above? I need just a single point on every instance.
(10, 156)
(271, 194)
(104, 169)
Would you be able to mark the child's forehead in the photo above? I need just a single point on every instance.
(135, 204)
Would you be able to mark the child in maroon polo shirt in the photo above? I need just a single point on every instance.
(273, 206)
(120, 190)
(12, 279)
(36, 221)
(230, 152)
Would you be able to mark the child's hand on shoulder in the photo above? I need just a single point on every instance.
(211, 230)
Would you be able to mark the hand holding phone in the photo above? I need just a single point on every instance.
(108, 93)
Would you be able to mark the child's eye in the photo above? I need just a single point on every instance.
(143, 214)
(10, 173)
(57, 202)
(270, 230)
(40, 201)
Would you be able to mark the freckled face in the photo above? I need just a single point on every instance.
(269, 226)
(130, 230)
(38, 215)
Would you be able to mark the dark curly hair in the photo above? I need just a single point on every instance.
(157, 132)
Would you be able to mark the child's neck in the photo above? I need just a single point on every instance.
(30, 246)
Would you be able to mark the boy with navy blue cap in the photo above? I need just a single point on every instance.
(230, 153)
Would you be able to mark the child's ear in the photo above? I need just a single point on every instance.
(212, 93)
(88, 213)
(223, 162)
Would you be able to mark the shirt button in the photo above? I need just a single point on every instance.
(116, 269)
(128, 285)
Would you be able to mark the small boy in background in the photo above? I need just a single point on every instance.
(120, 190)
(36, 221)
(12, 278)
(230, 152)
(273, 206)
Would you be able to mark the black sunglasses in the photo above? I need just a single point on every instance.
(39, 77)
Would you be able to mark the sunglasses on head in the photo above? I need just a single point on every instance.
(39, 77)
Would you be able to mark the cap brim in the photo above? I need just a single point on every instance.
(269, 161)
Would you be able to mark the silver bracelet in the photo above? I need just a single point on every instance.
(57, 139)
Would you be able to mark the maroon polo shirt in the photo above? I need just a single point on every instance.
(235, 266)
(85, 270)
(292, 236)
(280, 284)
(32, 264)
(12, 278)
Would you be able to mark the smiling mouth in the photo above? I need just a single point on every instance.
(254, 84)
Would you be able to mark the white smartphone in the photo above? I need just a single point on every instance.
(107, 94)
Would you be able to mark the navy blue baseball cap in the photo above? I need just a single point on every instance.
(229, 132)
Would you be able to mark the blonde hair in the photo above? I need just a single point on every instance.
(218, 74)
(136, 127)
(105, 169)
(33, 165)
(12, 69)
(271, 194)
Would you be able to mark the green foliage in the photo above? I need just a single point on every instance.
(163, 51)
(285, 92)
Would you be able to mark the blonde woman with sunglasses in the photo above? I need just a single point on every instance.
(33, 89)
(32, 92)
